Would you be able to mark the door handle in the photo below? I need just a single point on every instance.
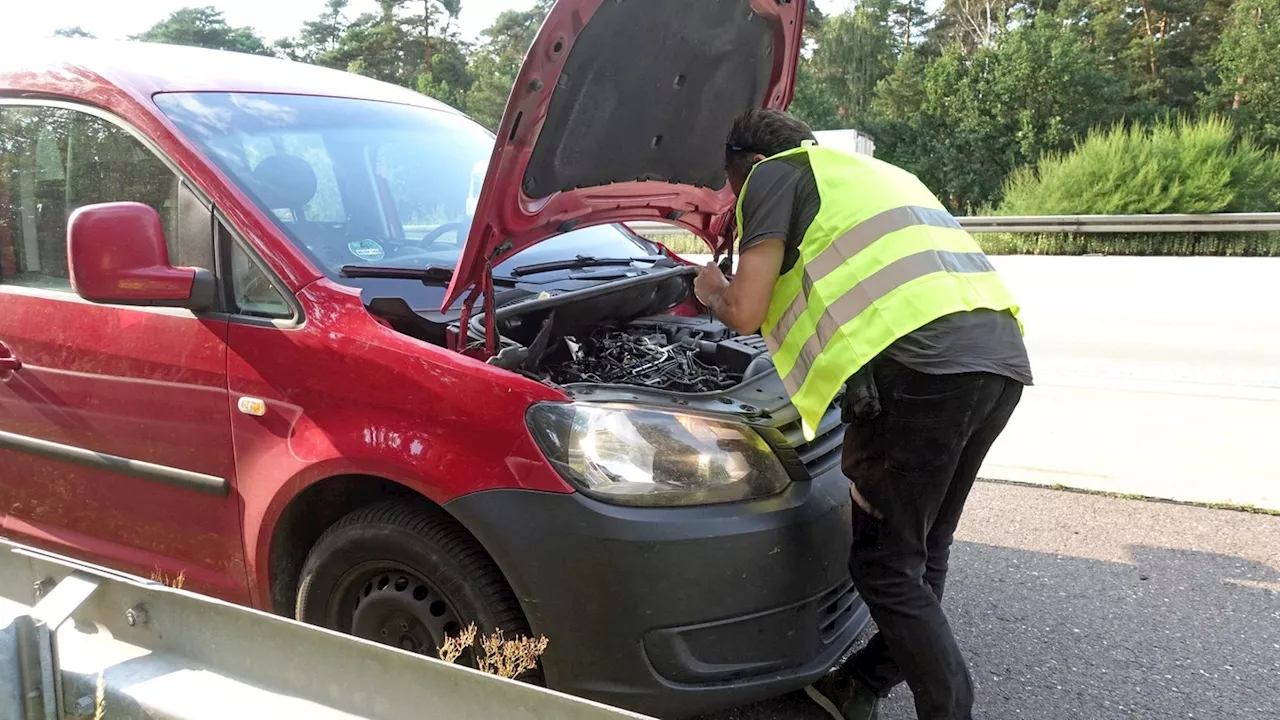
(8, 363)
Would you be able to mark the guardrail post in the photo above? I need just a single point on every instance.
(54, 609)
(29, 646)
(28, 679)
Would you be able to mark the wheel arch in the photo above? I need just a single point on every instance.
(312, 511)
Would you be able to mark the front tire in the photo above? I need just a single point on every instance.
(405, 576)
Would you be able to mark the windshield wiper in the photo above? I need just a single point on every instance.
(429, 275)
(583, 261)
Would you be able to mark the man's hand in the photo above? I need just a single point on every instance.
(710, 285)
(743, 303)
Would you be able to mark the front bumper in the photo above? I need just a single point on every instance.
(679, 611)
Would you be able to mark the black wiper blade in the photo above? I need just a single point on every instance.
(582, 261)
(429, 275)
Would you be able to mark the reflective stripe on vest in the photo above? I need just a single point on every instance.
(852, 304)
(881, 260)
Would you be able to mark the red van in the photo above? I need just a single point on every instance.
(326, 347)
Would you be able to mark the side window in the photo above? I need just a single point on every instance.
(55, 160)
(255, 294)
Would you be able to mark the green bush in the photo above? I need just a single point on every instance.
(1184, 244)
(1185, 166)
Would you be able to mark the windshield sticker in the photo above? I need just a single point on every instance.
(367, 250)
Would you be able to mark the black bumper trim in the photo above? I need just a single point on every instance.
(678, 611)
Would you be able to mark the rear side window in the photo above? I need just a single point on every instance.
(54, 160)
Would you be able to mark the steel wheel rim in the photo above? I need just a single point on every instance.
(391, 604)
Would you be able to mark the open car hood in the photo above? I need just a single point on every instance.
(620, 113)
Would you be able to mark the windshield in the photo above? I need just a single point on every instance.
(360, 182)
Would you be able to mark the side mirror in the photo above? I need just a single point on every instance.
(117, 255)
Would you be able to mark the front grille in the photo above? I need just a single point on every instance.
(805, 460)
(782, 430)
(838, 608)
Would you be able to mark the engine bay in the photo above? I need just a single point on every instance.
(636, 332)
(676, 354)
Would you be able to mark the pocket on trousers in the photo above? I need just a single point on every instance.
(926, 426)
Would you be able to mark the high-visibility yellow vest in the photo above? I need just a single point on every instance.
(882, 259)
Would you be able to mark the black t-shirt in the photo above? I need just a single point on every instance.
(782, 201)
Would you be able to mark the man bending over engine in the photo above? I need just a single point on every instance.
(863, 283)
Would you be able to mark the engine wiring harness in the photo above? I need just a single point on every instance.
(681, 363)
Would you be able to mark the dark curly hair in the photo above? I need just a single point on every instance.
(762, 132)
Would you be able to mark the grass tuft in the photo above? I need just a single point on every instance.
(173, 582)
(455, 646)
(510, 658)
(1145, 245)
(499, 656)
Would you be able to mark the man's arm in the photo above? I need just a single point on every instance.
(767, 209)
(743, 303)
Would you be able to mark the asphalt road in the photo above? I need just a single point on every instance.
(1078, 606)
(1154, 376)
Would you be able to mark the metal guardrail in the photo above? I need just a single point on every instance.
(167, 654)
(1222, 222)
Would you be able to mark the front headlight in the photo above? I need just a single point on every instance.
(635, 456)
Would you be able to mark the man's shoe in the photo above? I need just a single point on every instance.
(844, 698)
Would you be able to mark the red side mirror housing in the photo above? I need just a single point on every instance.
(117, 255)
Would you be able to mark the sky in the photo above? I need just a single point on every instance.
(273, 19)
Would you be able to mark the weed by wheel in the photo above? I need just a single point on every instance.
(498, 655)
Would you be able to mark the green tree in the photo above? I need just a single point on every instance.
(1164, 47)
(318, 36)
(854, 52)
(813, 101)
(73, 32)
(408, 43)
(972, 24)
(1249, 84)
(496, 61)
(909, 20)
(963, 120)
(449, 79)
(376, 45)
(204, 27)
(814, 19)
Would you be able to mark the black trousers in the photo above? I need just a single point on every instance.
(914, 465)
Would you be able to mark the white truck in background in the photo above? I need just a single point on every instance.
(848, 140)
